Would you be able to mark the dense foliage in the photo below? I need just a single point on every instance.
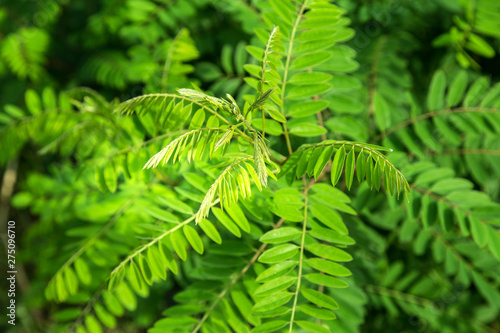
(252, 166)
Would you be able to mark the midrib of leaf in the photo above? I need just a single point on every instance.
(285, 74)
(301, 259)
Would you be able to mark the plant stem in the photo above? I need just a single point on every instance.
(285, 75)
(304, 229)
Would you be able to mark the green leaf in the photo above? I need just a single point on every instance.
(193, 238)
(337, 165)
(349, 169)
(256, 52)
(70, 280)
(311, 59)
(307, 130)
(177, 205)
(178, 244)
(494, 242)
(272, 302)
(110, 177)
(280, 235)
(134, 276)
(329, 217)
(479, 231)
(231, 317)
(303, 163)
(308, 91)
(275, 285)
(331, 236)
(329, 267)
(360, 166)
(435, 98)
(156, 262)
(343, 103)
(270, 326)
(312, 327)
(239, 217)
(276, 115)
(478, 45)
(161, 214)
(33, 102)
(116, 279)
(104, 316)
(317, 312)
(112, 304)
(92, 324)
(306, 109)
(67, 314)
(244, 305)
(326, 280)
(145, 269)
(323, 160)
(126, 297)
(382, 112)
(226, 221)
(275, 271)
(291, 163)
(227, 58)
(278, 312)
(457, 89)
(279, 253)
(210, 230)
(313, 160)
(329, 252)
(240, 58)
(168, 259)
(310, 78)
(172, 324)
(82, 271)
(99, 177)
(319, 299)
(488, 291)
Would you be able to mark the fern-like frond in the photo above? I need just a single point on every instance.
(82, 92)
(201, 97)
(261, 155)
(193, 144)
(233, 182)
(363, 158)
(24, 52)
(310, 253)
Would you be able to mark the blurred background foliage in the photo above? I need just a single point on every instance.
(124, 48)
